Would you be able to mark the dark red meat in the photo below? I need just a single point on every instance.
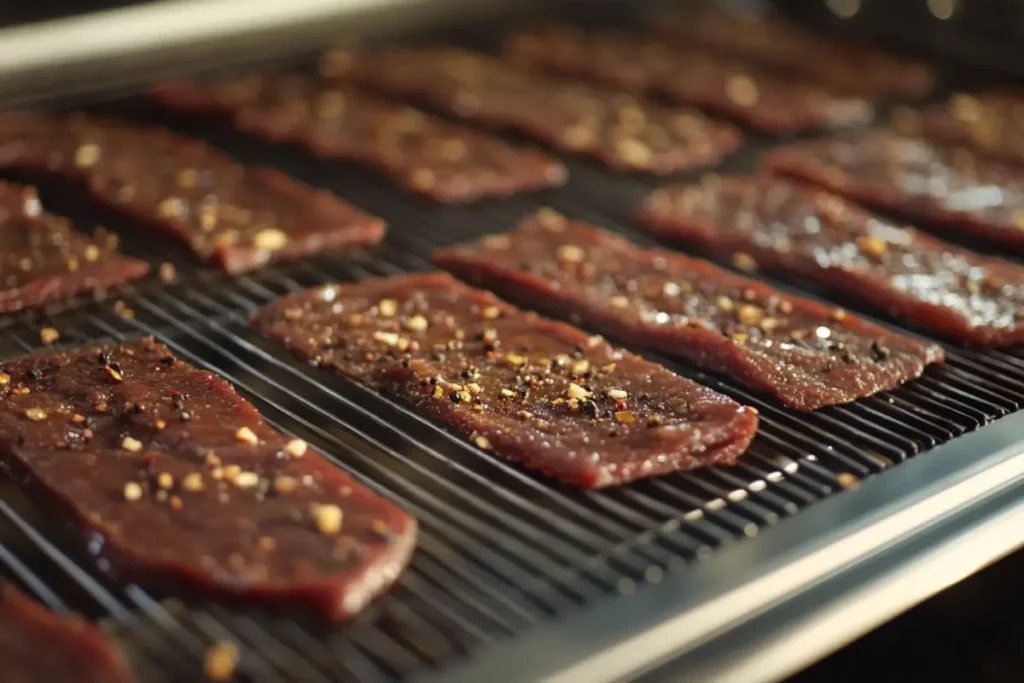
(444, 161)
(990, 122)
(527, 389)
(951, 188)
(618, 130)
(783, 226)
(805, 354)
(177, 481)
(642, 65)
(240, 218)
(840, 64)
(43, 259)
(38, 646)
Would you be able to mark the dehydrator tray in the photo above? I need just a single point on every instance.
(832, 522)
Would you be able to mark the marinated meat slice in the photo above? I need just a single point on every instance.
(530, 390)
(990, 122)
(427, 155)
(641, 65)
(177, 481)
(240, 218)
(805, 354)
(615, 128)
(949, 187)
(42, 259)
(783, 226)
(38, 646)
(841, 64)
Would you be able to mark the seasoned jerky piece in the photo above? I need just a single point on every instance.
(425, 154)
(38, 646)
(841, 64)
(949, 187)
(614, 128)
(189, 488)
(43, 259)
(527, 389)
(990, 122)
(240, 218)
(806, 354)
(784, 226)
(732, 87)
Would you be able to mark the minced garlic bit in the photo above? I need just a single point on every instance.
(328, 518)
(491, 312)
(387, 307)
(246, 435)
(246, 480)
(114, 373)
(625, 417)
(48, 335)
(618, 394)
(580, 367)
(4, 378)
(389, 338)
(36, 414)
(132, 491)
(744, 261)
(270, 239)
(220, 661)
(872, 245)
(87, 155)
(192, 482)
(847, 481)
(742, 90)
(577, 392)
(618, 301)
(165, 480)
(570, 253)
(296, 448)
(482, 442)
(285, 484)
(417, 323)
(130, 444)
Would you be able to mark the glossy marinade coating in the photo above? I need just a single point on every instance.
(641, 64)
(615, 128)
(805, 354)
(238, 217)
(38, 646)
(422, 153)
(43, 259)
(950, 188)
(841, 64)
(784, 226)
(990, 122)
(177, 481)
(527, 389)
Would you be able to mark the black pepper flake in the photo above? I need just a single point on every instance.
(455, 398)
(589, 409)
(167, 360)
(880, 352)
(103, 358)
(439, 357)
(34, 374)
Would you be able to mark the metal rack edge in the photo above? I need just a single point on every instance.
(820, 550)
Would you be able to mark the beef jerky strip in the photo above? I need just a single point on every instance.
(731, 87)
(189, 488)
(949, 187)
(804, 353)
(840, 64)
(615, 128)
(240, 218)
(990, 122)
(530, 390)
(38, 646)
(444, 161)
(784, 226)
(43, 259)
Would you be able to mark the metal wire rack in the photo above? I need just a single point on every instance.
(502, 551)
